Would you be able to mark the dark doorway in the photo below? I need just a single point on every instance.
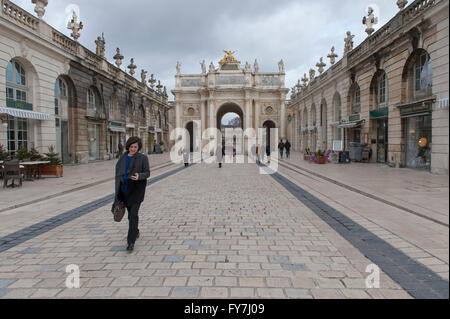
(190, 129)
(267, 126)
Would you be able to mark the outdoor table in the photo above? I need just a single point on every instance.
(32, 167)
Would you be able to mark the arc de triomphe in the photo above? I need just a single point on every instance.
(258, 98)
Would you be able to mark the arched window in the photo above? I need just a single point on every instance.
(337, 117)
(60, 97)
(313, 115)
(17, 97)
(91, 100)
(356, 105)
(381, 90)
(423, 73)
(16, 83)
(337, 108)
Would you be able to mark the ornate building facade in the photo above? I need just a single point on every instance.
(390, 93)
(258, 98)
(61, 94)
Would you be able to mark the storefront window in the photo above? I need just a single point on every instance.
(418, 142)
(16, 90)
(17, 134)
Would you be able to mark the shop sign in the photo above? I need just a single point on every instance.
(415, 108)
(379, 113)
(354, 117)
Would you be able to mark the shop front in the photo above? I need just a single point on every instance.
(94, 141)
(20, 124)
(417, 134)
(116, 135)
(379, 125)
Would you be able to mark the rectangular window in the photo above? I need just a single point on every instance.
(9, 73)
(382, 90)
(10, 93)
(17, 134)
(21, 95)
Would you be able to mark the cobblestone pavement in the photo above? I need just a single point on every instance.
(205, 233)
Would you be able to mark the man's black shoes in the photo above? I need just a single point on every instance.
(130, 247)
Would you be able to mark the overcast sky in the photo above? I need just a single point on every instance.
(158, 33)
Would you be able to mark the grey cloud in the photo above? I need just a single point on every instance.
(160, 33)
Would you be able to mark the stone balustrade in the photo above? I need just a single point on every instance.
(416, 7)
(17, 14)
(64, 42)
(385, 31)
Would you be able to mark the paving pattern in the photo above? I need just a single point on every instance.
(205, 233)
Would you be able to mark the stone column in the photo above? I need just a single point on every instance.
(212, 111)
(248, 114)
(282, 119)
(177, 115)
(203, 114)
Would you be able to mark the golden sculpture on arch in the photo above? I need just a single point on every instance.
(228, 58)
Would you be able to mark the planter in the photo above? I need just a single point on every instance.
(306, 157)
(321, 160)
(52, 170)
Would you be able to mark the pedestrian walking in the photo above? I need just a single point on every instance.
(268, 153)
(287, 146)
(120, 149)
(281, 148)
(185, 157)
(220, 152)
(132, 172)
(257, 154)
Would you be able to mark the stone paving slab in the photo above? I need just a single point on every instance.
(417, 190)
(397, 228)
(179, 224)
(75, 176)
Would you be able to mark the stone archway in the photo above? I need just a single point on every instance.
(229, 108)
(267, 125)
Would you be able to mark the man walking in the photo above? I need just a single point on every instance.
(281, 148)
(287, 145)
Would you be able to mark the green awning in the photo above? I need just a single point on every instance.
(379, 113)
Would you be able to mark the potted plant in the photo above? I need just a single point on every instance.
(55, 167)
(4, 155)
(306, 154)
(22, 154)
(320, 157)
(34, 155)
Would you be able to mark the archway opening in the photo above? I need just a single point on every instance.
(227, 113)
(267, 126)
(190, 129)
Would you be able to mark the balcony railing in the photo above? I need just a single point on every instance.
(19, 105)
(15, 13)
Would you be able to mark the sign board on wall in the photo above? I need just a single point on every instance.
(337, 146)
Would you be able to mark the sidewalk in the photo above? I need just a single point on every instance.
(419, 191)
(75, 177)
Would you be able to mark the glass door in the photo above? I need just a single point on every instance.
(382, 140)
(418, 144)
(93, 142)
